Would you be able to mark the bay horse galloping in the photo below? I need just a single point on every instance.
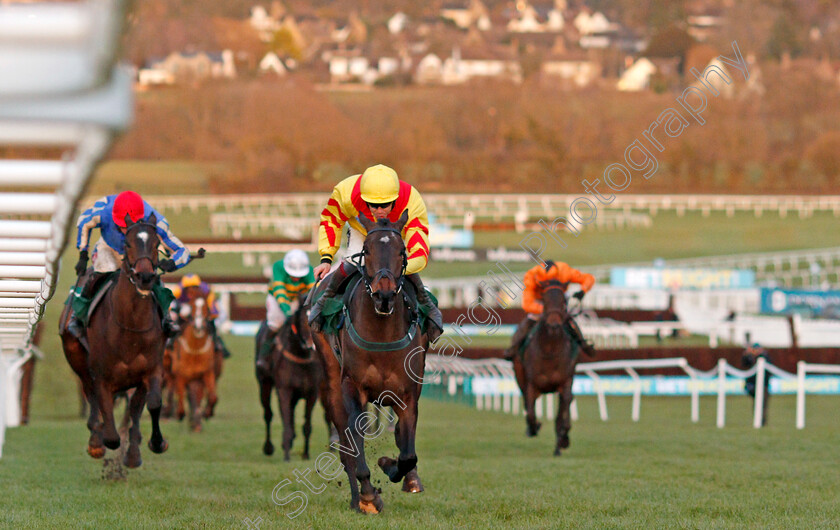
(194, 360)
(124, 348)
(295, 371)
(379, 342)
(547, 364)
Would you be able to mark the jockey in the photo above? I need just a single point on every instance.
(292, 278)
(532, 301)
(377, 193)
(108, 214)
(190, 287)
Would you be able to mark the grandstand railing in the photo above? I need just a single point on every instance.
(60, 90)
(505, 207)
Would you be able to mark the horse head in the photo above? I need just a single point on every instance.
(198, 310)
(555, 311)
(384, 261)
(140, 252)
(300, 326)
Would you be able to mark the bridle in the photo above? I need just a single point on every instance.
(132, 272)
(562, 288)
(358, 260)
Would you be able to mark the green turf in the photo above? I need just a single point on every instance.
(177, 177)
(478, 468)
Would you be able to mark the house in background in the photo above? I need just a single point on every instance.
(637, 77)
(272, 64)
(186, 67)
(575, 69)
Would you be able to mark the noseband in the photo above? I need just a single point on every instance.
(132, 272)
(358, 260)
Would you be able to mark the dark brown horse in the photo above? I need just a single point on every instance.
(124, 348)
(193, 357)
(547, 364)
(296, 373)
(378, 344)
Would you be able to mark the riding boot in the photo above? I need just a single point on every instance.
(170, 328)
(577, 336)
(519, 337)
(75, 325)
(435, 318)
(316, 321)
(265, 343)
(217, 340)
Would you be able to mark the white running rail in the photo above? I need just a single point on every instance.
(454, 371)
(60, 90)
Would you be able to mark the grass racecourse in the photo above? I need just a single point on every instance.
(479, 469)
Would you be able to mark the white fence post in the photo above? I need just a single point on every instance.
(801, 368)
(721, 398)
(760, 376)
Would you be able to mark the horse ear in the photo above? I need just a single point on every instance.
(365, 222)
(153, 219)
(128, 221)
(402, 221)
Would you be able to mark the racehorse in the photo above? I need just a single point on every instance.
(375, 348)
(194, 361)
(296, 373)
(123, 348)
(547, 364)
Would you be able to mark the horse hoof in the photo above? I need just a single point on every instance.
(387, 465)
(159, 449)
(305, 456)
(96, 452)
(196, 428)
(564, 442)
(286, 457)
(112, 444)
(268, 449)
(557, 452)
(412, 483)
(132, 462)
(373, 506)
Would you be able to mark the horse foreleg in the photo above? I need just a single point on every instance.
(404, 434)
(194, 395)
(307, 422)
(265, 400)
(212, 398)
(563, 423)
(157, 443)
(94, 424)
(287, 414)
(135, 409)
(110, 436)
(369, 501)
(531, 396)
(180, 389)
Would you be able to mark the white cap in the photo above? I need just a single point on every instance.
(296, 263)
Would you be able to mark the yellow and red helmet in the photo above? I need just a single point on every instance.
(379, 185)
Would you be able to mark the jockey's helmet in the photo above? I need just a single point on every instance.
(296, 263)
(380, 185)
(127, 203)
(190, 280)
